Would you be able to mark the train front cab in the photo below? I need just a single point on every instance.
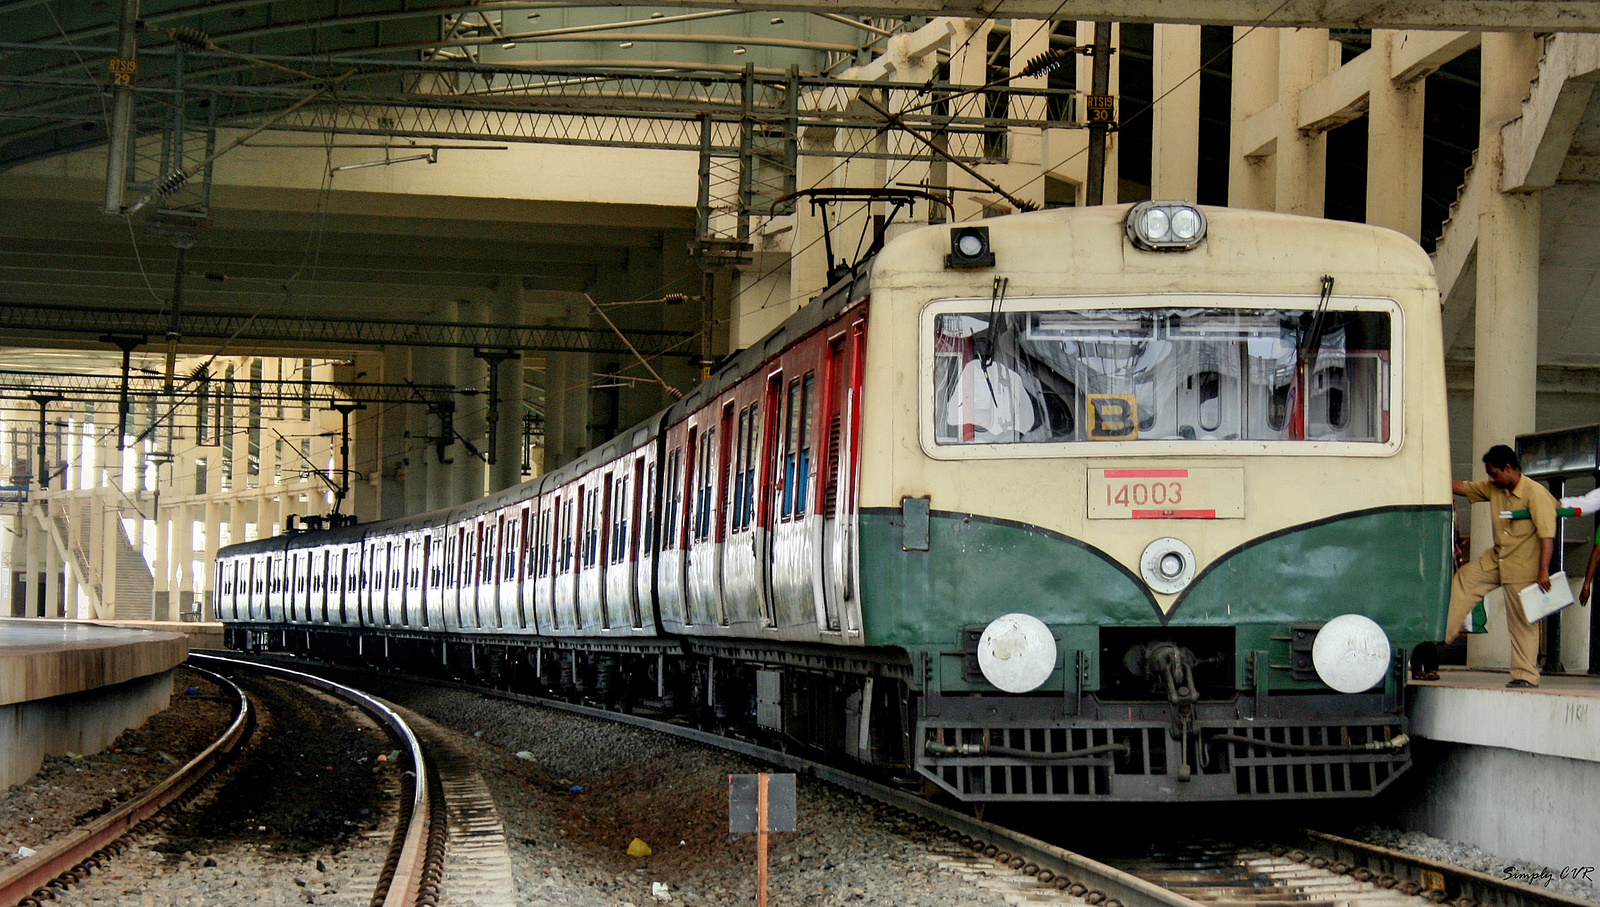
(1072, 636)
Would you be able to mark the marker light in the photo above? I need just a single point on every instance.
(1166, 226)
(969, 248)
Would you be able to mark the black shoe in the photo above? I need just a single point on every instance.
(1520, 684)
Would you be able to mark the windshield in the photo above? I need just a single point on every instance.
(1192, 374)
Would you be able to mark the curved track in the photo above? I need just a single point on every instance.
(412, 873)
(77, 855)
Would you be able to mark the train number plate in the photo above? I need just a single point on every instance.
(1167, 493)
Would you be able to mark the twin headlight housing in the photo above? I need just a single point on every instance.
(1166, 226)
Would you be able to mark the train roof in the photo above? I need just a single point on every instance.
(835, 299)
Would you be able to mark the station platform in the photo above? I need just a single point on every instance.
(69, 686)
(201, 634)
(1514, 771)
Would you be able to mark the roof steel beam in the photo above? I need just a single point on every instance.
(323, 332)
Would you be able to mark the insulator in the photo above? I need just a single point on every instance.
(171, 183)
(192, 38)
(1045, 63)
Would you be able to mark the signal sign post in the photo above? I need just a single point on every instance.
(761, 804)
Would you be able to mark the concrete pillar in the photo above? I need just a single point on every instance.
(237, 512)
(808, 260)
(469, 471)
(162, 567)
(183, 549)
(177, 561)
(1302, 166)
(111, 543)
(1024, 145)
(208, 561)
(1507, 313)
(92, 509)
(1252, 179)
(1394, 145)
(510, 308)
(1175, 122)
(36, 566)
(567, 382)
(968, 66)
(52, 573)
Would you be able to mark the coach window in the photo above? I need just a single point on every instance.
(797, 447)
(567, 530)
(705, 478)
(746, 454)
(672, 494)
(645, 511)
(619, 519)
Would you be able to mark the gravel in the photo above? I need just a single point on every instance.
(1467, 856)
(574, 794)
(246, 841)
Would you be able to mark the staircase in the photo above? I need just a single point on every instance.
(133, 596)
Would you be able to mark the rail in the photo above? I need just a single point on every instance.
(68, 859)
(407, 869)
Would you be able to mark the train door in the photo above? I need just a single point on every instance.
(796, 538)
(543, 558)
(632, 551)
(842, 423)
(743, 560)
(382, 560)
(764, 507)
(307, 595)
(646, 516)
(667, 554)
(705, 532)
(489, 573)
(405, 589)
(425, 557)
(527, 519)
(319, 585)
(566, 570)
(336, 577)
(252, 590)
(506, 598)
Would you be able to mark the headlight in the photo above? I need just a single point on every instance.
(1017, 652)
(1167, 565)
(1166, 226)
(1351, 653)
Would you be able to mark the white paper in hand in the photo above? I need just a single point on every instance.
(1538, 604)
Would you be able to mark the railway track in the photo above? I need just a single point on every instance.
(74, 857)
(1304, 869)
(410, 876)
(1317, 869)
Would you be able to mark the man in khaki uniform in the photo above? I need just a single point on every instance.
(1520, 555)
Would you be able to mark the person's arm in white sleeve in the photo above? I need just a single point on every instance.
(1585, 504)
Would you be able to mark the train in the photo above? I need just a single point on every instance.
(1135, 503)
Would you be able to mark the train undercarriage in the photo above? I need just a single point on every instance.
(861, 707)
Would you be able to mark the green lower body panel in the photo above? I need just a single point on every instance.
(1103, 726)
